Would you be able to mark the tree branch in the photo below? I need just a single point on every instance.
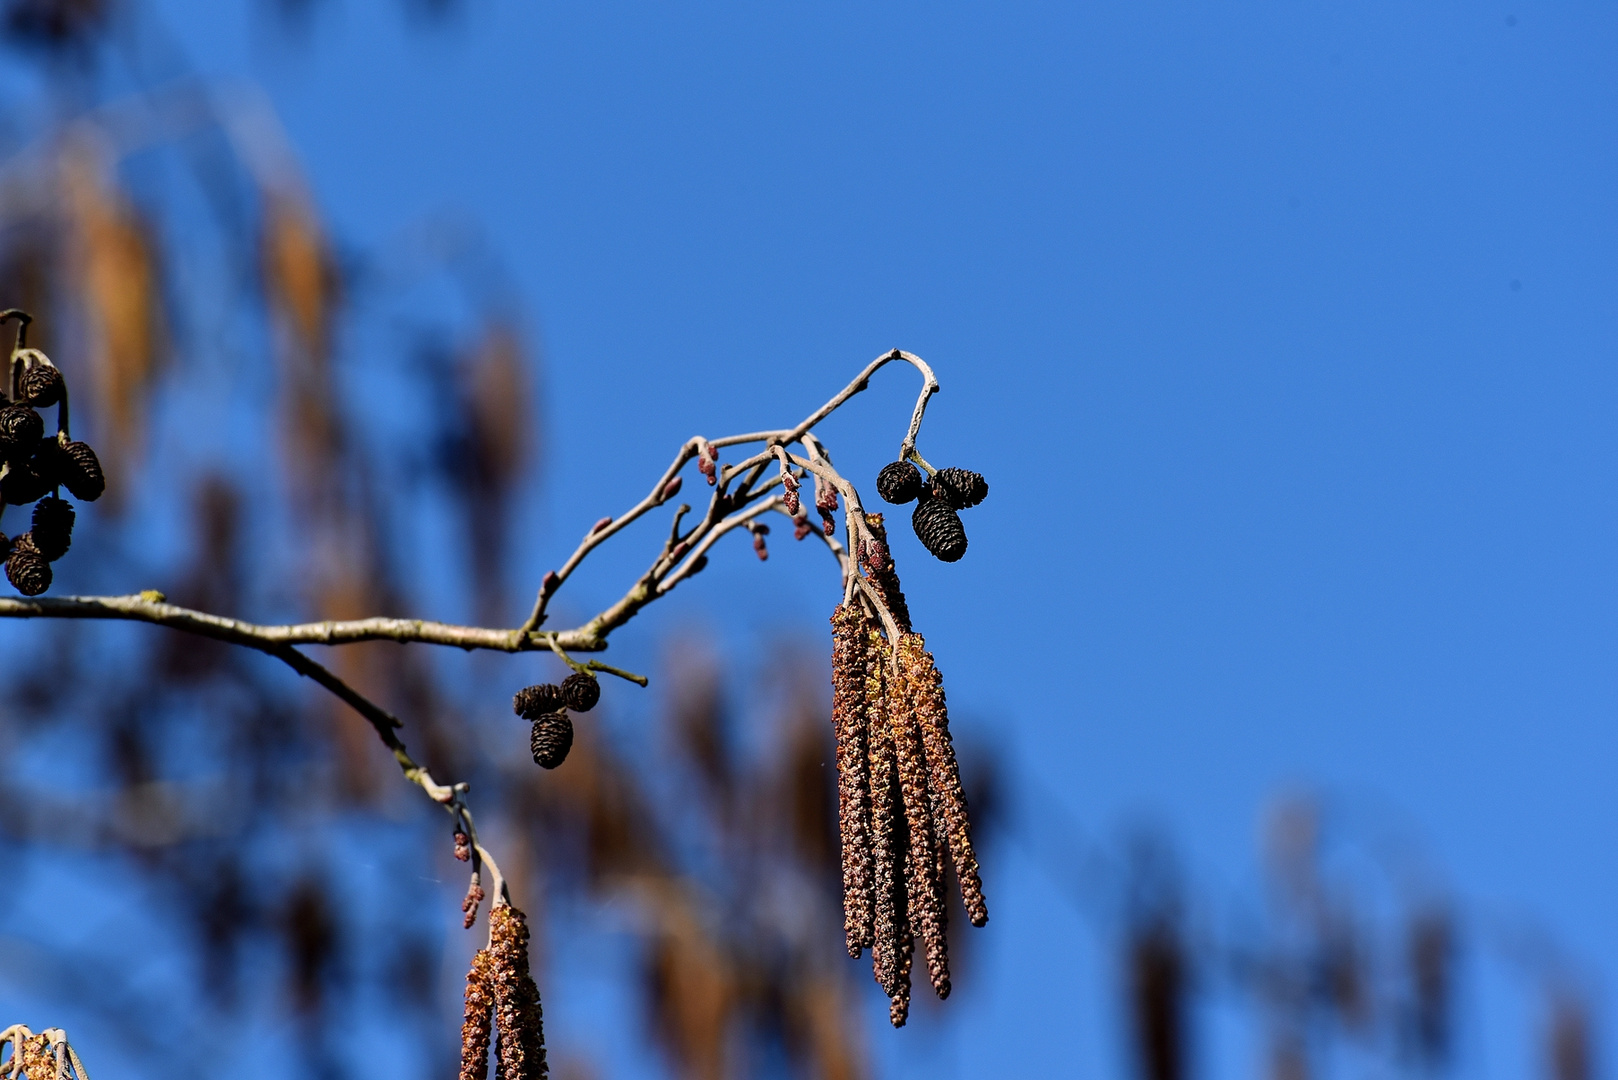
(727, 510)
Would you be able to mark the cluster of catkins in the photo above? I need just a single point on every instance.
(936, 519)
(34, 467)
(502, 1005)
(546, 705)
(900, 807)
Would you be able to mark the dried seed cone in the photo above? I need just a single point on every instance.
(898, 482)
(849, 644)
(40, 386)
(82, 472)
(477, 1029)
(961, 488)
(53, 527)
(939, 529)
(926, 689)
(551, 740)
(27, 482)
(887, 878)
(517, 1013)
(532, 702)
(581, 691)
(20, 432)
(28, 571)
(924, 885)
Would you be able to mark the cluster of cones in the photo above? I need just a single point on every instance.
(34, 467)
(901, 810)
(939, 500)
(546, 704)
(502, 1005)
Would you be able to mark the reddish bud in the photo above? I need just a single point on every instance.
(670, 489)
(679, 551)
(598, 526)
(794, 507)
(549, 583)
(758, 546)
(463, 846)
(800, 528)
(828, 526)
(474, 897)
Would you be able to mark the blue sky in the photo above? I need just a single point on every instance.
(1285, 334)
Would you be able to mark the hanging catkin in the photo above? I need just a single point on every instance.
(924, 887)
(517, 1013)
(478, 1026)
(899, 992)
(926, 689)
(886, 873)
(848, 660)
(877, 562)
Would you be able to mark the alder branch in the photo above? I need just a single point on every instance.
(736, 502)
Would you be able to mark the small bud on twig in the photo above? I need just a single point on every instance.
(549, 583)
(463, 846)
(602, 524)
(670, 489)
(474, 897)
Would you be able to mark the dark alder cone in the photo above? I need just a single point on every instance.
(81, 472)
(477, 1028)
(517, 1013)
(532, 702)
(26, 569)
(20, 432)
(26, 483)
(552, 739)
(53, 527)
(960, 488)
(40, 386)
(581, 691)
(898, 482)
(939, 529)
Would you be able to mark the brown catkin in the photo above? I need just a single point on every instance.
(478, 1027)
(889, 923)
(926, 689)
(899, 992)
(924, 886)
(877, 562)
(517, 1013)
(848, 657)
